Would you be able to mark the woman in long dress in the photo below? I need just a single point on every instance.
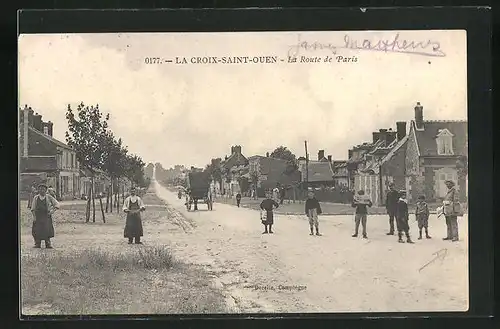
(43, 207)
(133, 206)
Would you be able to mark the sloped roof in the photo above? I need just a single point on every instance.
(49, 138)
(268, 163)
(396, 146)
(319, 171)
(426, 138)
(235, 159)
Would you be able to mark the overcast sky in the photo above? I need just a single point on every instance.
(188, 114)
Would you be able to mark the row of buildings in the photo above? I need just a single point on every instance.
(44, 158)
(418, 159)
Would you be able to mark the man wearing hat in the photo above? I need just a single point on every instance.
(450, 205)
(391, 204)
(133, 206)
(43, 207)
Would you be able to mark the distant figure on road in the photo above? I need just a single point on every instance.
(282, 194)
(391, 204)
(422, 215)
(43, 207)
(238, 199)
(268, 204)
(276, 193)
(133, 206)
(313, 209)
(52, 192)
(361, 202)
(402, 218)
(33, 192)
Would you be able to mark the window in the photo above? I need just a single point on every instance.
(46, 130)
(444, 141)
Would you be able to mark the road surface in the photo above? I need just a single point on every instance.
(291, 271)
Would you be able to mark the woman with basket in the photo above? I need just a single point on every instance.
(452, 209)
(266, 214)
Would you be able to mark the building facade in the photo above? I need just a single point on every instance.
(44, 158)
(436, 152)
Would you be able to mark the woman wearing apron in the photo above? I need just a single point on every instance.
(133, 206)
(42, 208)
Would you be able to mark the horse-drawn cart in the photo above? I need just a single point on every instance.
(198, 189)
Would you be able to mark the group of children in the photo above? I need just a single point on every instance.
(361, 202)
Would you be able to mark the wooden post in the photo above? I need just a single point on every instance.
(87, 209)
(93, 201)
(102, 211)
(306, 185)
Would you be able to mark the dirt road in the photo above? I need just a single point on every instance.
(290, 271)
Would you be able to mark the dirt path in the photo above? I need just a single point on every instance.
(290, 271)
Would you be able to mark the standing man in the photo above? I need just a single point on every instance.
(361, 202)
(133, 206)
(452, 209)
(391, 204)
(238, 199)
(43, 207)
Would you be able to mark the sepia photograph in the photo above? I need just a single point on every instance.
(243, 172)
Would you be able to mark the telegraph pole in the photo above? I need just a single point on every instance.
(307, 166)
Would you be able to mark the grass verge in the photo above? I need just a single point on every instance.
(93, 281)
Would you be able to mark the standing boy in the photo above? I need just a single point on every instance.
(313, 209)
(361, 202)
(422, 215)
(268, 204)
(402, 218)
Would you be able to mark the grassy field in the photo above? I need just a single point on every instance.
(93, 271)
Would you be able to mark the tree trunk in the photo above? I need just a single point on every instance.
(87, 208)
(93, 201)
(294, 194)
(107, 199)
(111, 196)
(102, 211)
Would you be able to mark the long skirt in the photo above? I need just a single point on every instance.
(269, 218)
(402, 224)
(42, 228)
(133, 226)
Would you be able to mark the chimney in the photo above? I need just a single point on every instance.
(419, 116)
(267, 154)
(376, 136)
(237, 149)
(232, 149)
(330, 158)
(401, 129)
(25, 131)
(37, 122)
(30, 116)
(349, 154)
(321, 154)
(50, 125)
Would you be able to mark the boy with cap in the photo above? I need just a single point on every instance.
(391, 202)
(313, 209)
(361, 202)
(402, 218)
(422, 215)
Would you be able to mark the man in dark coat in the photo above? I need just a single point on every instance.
(42, 208)
(313, 210)
(402, 218)
(391, 203)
